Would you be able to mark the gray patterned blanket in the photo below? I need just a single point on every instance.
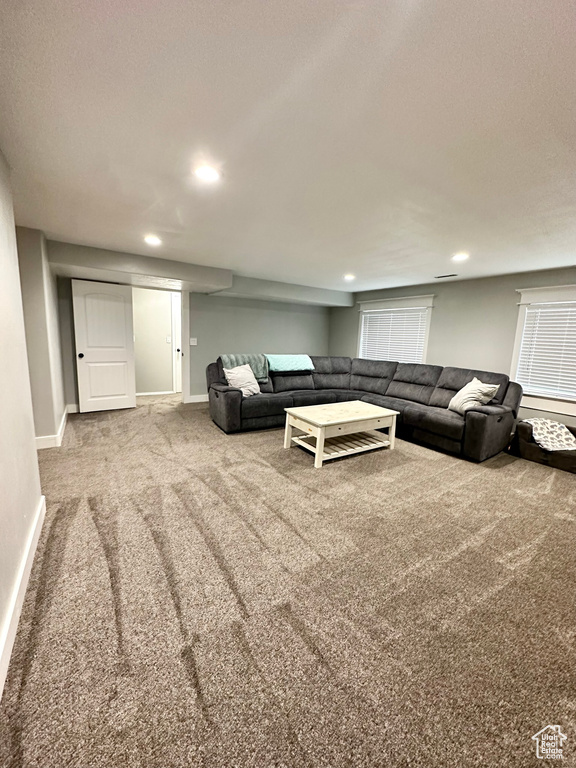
(258, 363)
(551, 435)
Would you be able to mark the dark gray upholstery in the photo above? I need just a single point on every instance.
(488, 431)
(266, 386)
(513, 397)
(431, 438)
(414, 391)
(453, 379)
(213, 375)
(412, 381)
(225, 407)
(264, 422)
(393, 403)
(437, 420)
(372, 375)
(265, 405)
(313, 397)
(287, 382)
(331, 372)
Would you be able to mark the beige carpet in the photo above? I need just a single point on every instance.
(208, 600)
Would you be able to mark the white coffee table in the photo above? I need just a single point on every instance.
(339, 429)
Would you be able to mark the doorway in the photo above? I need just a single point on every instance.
(157, 341)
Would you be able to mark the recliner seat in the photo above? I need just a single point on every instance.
(420, 393)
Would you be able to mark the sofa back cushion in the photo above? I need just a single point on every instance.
(289, 380)
(215, 373)
(413, 381)
(372, 375)
(331, 372)
(453, 379)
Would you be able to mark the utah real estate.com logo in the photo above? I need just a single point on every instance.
(550, 743)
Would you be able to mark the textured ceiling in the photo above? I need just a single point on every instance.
(370, 137)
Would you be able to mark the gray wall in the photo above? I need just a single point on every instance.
(247, 325)
(473, 321)
(40, 303)
(152, 324)
(19, 479)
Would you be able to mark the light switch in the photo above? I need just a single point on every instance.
(168, 339)
(193, 342)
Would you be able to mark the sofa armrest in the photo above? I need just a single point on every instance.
(488, 431)
(491, 410)
(224, 388)
(226, 407)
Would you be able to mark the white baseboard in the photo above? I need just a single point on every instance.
(147, 394)
(8, 630)
(195, 399)
(72, 408)
(53, 441)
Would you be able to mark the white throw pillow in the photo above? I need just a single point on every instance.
(242, 377)
(472, 394)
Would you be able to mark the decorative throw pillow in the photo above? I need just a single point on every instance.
(242, 377)
(472, 394)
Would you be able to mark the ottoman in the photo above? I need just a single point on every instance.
(524, 445)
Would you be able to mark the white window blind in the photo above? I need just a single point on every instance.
(547, 358)
(394, 334)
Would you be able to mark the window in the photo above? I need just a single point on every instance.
(545, 354)
(395, 329)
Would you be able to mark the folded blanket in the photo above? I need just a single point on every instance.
(551, 435)
(257, 362)
(290, 363)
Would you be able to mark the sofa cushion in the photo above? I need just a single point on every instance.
(313, 397)
(413, 381)
(453, 379)
(265, 405)
(437, 420)
(286, 382)
(331, 372)
(242, 377)
(265, 422)
(266, 386)
(392, 403)
(346, 395)
(372, 375)
(475, 393)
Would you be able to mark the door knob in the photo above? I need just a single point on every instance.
(81, 355)
(177, 350)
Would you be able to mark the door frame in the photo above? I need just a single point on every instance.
(176, 309)
(185, 341)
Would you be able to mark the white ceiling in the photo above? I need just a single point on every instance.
(368, 136)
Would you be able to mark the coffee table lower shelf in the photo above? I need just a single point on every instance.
(344, 445)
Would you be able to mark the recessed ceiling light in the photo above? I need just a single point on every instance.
(207, 173)
(152, 240)
(462, 256)
(349, 278)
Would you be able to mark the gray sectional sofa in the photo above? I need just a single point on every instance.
(420, 393)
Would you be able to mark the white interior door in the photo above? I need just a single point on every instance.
(104, 345)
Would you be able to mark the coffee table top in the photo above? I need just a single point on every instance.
(338, 413)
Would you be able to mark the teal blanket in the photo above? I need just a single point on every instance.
(290, 363)
(257, 362)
